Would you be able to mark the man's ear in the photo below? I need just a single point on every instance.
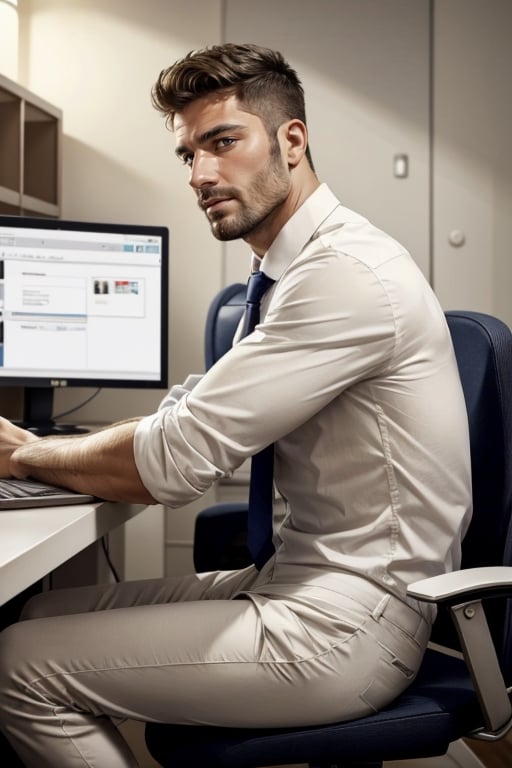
(295, 137)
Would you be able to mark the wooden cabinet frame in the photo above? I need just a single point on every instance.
(30, 152)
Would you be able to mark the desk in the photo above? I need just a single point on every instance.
(34, 542)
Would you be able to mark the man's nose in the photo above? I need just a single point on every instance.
(204, 171)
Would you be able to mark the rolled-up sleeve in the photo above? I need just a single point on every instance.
(169, 467)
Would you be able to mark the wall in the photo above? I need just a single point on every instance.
(472, 181)
(9, 39)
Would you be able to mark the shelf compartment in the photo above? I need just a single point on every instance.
(10, 140)
(41, 145)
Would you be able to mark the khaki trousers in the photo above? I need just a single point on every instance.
(217, 649)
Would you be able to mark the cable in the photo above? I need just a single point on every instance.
(104, 544)
(80, 405)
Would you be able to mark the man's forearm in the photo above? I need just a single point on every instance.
(101, 463)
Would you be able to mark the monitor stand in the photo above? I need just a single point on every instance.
(37, 414)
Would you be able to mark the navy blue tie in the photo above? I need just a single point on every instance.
(261, 487)
(257, 286)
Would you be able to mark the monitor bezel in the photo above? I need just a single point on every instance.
(58, 382)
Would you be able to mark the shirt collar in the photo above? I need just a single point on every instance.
(298, 231)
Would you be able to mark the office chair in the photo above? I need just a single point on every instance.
(224, 314)
(451, 697)
(221, 529)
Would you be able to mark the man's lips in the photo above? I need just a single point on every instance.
(216, 201)
(207, 201)
(215, 206)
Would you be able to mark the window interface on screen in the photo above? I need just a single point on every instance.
(83, 305)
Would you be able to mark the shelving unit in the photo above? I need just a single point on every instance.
(30, 152)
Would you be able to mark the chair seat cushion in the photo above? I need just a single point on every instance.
(439, 707)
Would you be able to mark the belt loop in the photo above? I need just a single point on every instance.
(381, 607)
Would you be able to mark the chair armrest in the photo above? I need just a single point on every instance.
(462, 592)
(471, 582)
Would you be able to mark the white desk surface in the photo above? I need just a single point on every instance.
(35, 541)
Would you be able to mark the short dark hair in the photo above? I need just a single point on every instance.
(260, 78)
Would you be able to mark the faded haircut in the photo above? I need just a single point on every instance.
(260, 78)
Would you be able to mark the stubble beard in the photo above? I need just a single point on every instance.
(268, 190)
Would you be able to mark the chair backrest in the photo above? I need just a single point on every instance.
(224, 314)
(483, 347)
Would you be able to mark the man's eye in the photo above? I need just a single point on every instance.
(187, 159)
(225, 141)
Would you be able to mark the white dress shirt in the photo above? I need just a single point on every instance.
(352, 374)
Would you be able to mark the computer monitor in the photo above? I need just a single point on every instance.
(81, 304)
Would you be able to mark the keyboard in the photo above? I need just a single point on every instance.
(31, 493)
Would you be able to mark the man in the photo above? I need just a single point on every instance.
(351, 375)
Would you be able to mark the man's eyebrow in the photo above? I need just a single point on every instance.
(207, 136)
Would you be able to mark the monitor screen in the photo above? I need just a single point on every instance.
(81, 304)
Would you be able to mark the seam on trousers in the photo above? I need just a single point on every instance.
(271, 662)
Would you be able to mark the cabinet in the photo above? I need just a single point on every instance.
(30, 152)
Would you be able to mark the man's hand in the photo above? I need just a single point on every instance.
(11, 437)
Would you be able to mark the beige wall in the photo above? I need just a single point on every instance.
(9, 39)
(472, 181)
